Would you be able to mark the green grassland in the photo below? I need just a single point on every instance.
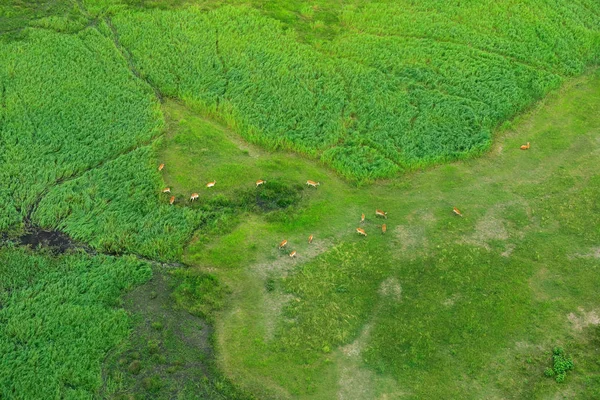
(440, 306)
(95, 94)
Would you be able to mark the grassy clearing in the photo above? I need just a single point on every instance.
(440, 305)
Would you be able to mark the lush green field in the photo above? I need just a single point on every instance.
(58, 319)
(383, 94)
(95, 94)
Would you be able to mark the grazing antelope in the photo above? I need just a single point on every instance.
(362, 218)
(383, 228)
(194, 196)
(260, 182)
(525, 146)
(161, 166)
(211, 184)
(457, 211)
(361, 231)
(312, 183)
(172, 200)
(293, 254)
(166, 190)
(379, 213)
(282, 244)
(310, 238)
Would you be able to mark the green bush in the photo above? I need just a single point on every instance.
(64, 112)
(561, 364)
(271, 196)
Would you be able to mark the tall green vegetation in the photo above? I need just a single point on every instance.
(118, 208)
(58, 319)
(69, 103)
(381, 96)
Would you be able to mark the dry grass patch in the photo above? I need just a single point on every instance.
(391, 288)
(583, 319)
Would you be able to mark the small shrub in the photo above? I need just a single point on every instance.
(157, 326)
(270, 284)
(172, 369)
(135, 367)
(271, 196)
(560, 365)
(199, 293)
(152, 384)
(153, 346)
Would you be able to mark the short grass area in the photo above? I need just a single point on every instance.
(439, 306)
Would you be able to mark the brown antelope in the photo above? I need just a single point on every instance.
(379, 213)
(383, 228)
(457, 211)
(172, 200)
(194, 196)
(293, 254)
(361, 231)
(362, 218)
(312, 183)
(161, 166)
(525, 146)
(260, 182)
(211, 184)
(310, 238)
(166, 190)
(282, 244)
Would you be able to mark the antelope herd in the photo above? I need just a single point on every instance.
(283, 243)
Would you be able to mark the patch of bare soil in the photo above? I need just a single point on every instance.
(536, 282)
(391, 288)
(509, 250)
(449, 302)
(583, 319)
(353, 349)
(283, 263)
(593, 253)
(357, 382)
(412, 235)
(273, 303)
(487, 229)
